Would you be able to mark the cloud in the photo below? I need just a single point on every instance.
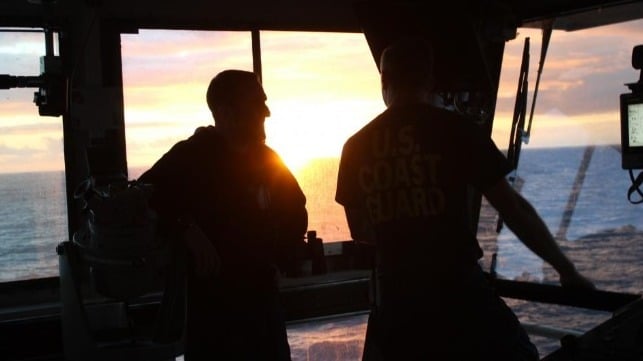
(584, 72)
(346, 64)
(45, 155)
(157, 55)
(35, 128)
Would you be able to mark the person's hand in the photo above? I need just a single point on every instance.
(204, 255)
(574, 280)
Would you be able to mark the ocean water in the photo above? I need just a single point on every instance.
(588, 211)
(33, 220)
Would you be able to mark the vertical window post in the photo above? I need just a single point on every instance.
(256, 54)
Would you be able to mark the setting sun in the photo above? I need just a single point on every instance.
(301, 132)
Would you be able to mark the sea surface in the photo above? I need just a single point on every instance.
(581, 194)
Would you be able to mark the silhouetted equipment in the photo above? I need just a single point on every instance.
(631, 105)
(124, 259)
(317, 257)
(637, 63)
(632, 118)
(619, 338)
(51, 96)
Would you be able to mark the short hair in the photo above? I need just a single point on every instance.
(408, 63)
(232, 87)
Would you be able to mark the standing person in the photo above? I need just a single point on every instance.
(241, 215)
(403, 181)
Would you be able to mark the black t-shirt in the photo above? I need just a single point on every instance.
(411, 170)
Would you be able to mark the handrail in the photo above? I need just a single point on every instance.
(591, 299)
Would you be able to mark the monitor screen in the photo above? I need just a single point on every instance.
(632, 130)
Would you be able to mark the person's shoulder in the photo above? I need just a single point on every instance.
(382, 120)
(267, 150)
(203, 133)
(180, 155)
(204, 136)
(268, 155)
(370, 126)
(408, 113)
(191, 147)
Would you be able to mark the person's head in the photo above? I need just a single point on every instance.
(406, 68)
(238, 104)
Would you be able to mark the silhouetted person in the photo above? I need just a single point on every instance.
(403, 181)
(232, 201)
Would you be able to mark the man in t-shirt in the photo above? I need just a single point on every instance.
(404, 179)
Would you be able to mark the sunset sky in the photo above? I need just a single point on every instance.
(321, 88)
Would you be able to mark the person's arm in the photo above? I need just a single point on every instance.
(521, 217)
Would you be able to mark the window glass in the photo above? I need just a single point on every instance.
(33, 217)
(570, 168)
(165, 77)
(321, 89)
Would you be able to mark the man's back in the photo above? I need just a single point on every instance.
(411, 168)
(404, 186)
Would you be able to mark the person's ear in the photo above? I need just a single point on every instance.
(224, 115)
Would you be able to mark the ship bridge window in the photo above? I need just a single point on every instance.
(33, 219)
(321, 88)
(570, 168)
(165, 78)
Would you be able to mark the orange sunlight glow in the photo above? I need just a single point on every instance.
(303, 131)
